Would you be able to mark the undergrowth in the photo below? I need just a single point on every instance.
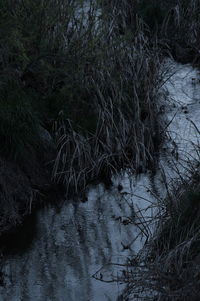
(95, 88)
(89, 71)
(19, 123)
(168, 267)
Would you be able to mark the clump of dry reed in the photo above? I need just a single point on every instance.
(176, 23)
(168, 268)
(118, 81)
(180, 27)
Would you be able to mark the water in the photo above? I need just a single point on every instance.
(70, 246)
(95, 238)
(182, 108)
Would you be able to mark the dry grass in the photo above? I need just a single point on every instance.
(168, 268)
(121, 80)
(118, 57)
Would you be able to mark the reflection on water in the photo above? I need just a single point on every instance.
(70, 246)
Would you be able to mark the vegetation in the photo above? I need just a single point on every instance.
(19, 124)
(175, 23)
(73, 73)
(168, 267)
(89, 74)
(176, 245)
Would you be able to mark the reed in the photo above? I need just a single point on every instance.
(118, 80)
(168, 266)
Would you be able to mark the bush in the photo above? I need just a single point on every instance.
(72, 62)
(19, 125)
(153, 13)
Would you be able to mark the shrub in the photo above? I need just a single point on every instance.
(19, 124)
(72, 62)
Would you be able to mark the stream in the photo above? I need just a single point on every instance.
(78, 251)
